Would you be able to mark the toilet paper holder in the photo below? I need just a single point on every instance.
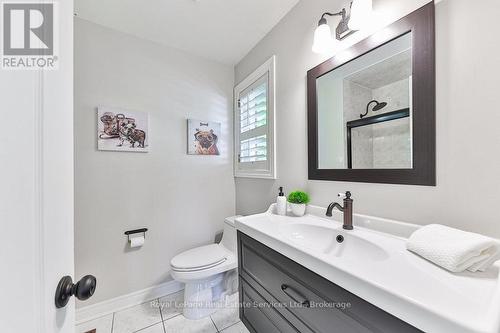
(136, 231)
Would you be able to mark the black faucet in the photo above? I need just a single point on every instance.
(347, 210)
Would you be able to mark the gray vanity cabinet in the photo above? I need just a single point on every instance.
(279, 295)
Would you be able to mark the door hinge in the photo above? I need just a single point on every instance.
(239, 158)
(239, 103)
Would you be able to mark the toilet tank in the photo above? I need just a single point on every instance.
(229, 236)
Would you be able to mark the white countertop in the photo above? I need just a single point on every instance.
(388, 276)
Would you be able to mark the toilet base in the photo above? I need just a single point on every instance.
(204, 297)
(201, 297)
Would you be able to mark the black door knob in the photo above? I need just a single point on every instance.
(83, 289)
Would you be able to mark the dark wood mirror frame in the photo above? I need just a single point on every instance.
(421, 24)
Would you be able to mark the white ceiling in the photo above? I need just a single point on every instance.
(221, 30)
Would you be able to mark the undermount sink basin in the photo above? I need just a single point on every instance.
(332, 241)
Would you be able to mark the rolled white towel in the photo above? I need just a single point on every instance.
(454, 249)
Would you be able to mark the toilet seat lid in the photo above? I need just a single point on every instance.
(200, 257)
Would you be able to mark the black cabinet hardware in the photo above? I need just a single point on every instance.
(295, 295)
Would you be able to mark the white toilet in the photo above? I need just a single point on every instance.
(209, 273)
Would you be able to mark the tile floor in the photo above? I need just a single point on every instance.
(164, 315)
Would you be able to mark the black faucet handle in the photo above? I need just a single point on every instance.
(346, 195)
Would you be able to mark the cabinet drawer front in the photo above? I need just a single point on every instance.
(315, 301)
(258, 315)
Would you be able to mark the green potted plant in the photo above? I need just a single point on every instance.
(298, 201)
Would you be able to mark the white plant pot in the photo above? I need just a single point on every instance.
(298, 209)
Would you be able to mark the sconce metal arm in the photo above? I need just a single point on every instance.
(342, 12)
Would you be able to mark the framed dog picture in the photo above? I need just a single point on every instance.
(122, 130)
(203, 137)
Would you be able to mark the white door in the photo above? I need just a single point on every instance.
(36, 189)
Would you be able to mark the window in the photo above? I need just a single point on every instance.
(254, 125)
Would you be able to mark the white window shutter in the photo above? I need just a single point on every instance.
(254, 124)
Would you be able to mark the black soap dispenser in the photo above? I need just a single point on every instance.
(281, 203)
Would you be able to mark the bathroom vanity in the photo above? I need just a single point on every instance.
(313, 304)
(307, 274)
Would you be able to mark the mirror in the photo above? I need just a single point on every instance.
(364, 112)
(371, 108)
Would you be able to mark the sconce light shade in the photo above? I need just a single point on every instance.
(323, 40)
(360, 14)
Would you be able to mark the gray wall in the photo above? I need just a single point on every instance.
(468, 139)
(181, 199)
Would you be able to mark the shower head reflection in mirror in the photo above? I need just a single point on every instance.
(378, 106)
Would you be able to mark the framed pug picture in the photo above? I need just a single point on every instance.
(203, 137)
(122, 130)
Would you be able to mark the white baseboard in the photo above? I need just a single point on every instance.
(97, 310)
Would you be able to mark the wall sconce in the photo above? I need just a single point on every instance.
(360, 11)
